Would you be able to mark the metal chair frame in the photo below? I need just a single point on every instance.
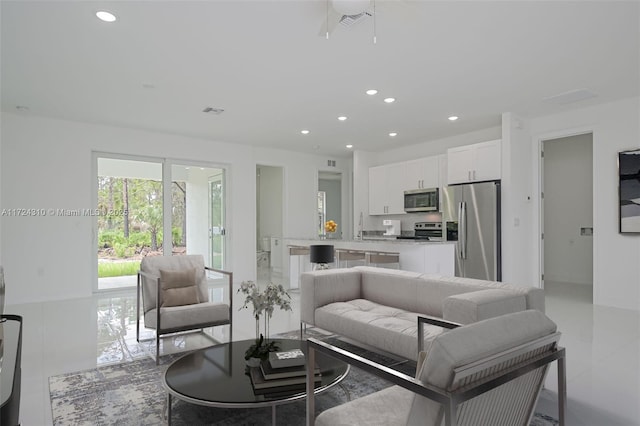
(159, 331)
(451, 400)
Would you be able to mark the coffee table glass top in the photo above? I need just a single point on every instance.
(218, 376)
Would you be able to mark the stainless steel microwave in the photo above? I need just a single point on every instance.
(421, 200)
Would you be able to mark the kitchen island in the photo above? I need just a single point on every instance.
(430, 257)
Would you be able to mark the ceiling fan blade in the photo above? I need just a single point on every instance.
(332, 21)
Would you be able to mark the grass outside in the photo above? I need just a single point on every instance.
(118, 269)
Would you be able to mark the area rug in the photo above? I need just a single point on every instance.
(132, 394)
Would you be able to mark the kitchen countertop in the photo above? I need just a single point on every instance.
(385, 240)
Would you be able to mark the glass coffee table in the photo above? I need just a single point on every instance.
(216, 377)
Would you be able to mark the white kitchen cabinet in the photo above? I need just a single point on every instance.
(474, 163)
(421, 174)
(386, 193)
(387, 183)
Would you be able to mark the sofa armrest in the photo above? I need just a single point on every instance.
(319, 288)
(467, 308)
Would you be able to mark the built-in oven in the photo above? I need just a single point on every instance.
(421, 200)
(429, 231)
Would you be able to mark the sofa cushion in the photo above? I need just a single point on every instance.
(391, 287)
(389, 329)
(323, 287)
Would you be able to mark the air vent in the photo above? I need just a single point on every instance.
(211, 110)
(351, 20)
(331, 163)
(570, 97)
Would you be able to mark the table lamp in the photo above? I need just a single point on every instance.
(321, 255)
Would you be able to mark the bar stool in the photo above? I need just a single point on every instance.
(346, 256)
(296, 267)
(376, 258)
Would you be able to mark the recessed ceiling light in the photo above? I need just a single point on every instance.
(105, 16)
(389, 100)
(371, 92)
(393, 134)
(342, 118)
(453, 118)
(304, 132)
(349, 146)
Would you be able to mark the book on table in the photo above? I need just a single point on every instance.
(269, 373)
(261, 385)
(281, 359)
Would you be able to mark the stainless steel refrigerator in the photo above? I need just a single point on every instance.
(471, 216)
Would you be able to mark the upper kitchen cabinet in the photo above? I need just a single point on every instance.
(387, 183)
(386, 189)
(474, 163)
(421, 174)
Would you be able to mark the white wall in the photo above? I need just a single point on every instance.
(568, 206)
(197, 209)
(46, 163)
(616, 127)
(517, 202)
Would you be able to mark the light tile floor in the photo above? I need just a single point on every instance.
(603, 349)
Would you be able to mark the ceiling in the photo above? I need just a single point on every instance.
(266, 64)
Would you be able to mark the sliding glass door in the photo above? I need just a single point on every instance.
(129, 218)
(198, 212)
(135, 220)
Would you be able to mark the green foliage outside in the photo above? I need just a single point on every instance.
(135, 228)
(118, 269)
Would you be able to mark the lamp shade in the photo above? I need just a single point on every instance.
(321, 253)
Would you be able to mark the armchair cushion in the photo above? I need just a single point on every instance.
(151, 266)
(179, 287)
(389, 407)
(188, 316)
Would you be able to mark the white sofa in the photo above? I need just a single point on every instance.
(379, 307)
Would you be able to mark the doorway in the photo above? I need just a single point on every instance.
(567, 216)
(330, 204)
(269, 222)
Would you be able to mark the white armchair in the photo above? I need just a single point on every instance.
(174, 292)
(486, 373)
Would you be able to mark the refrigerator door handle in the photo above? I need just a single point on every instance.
(462, 230)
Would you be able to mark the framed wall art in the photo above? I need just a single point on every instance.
(629, 191)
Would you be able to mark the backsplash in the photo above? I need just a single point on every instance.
(407, 222)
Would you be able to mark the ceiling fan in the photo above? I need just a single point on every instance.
(346, 13)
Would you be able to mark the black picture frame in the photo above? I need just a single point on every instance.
(629, 192)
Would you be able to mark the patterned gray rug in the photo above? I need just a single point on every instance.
(132, 394)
